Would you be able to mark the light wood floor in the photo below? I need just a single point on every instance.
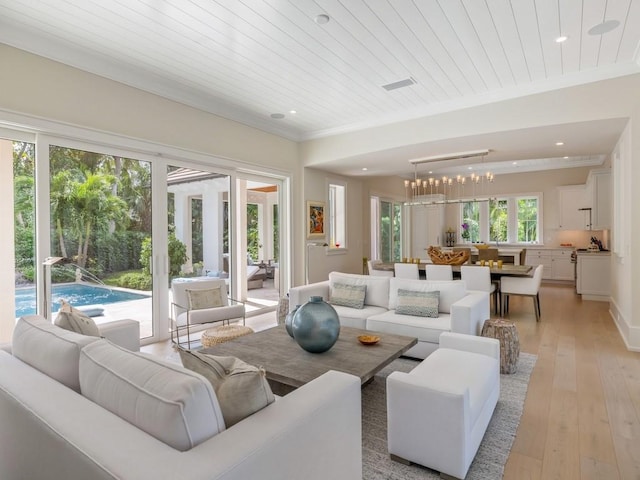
(581, 417)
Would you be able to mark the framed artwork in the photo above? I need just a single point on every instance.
(315, 219)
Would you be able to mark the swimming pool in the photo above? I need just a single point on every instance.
(77, 294)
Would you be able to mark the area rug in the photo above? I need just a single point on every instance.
(494, 449)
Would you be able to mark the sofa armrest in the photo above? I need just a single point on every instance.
(470, 343)
(124, 333)
(469, 313)
(6, 347)
(300, 295)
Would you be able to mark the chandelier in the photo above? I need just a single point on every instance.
(448, 189)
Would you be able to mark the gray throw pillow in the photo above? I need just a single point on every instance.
(72, 319)
(204, 298)
(419, 304)
(242, 389)
(347, 295)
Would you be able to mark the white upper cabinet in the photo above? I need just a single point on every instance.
(571, 199)
(599, 190)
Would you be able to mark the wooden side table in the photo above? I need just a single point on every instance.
(507, 334)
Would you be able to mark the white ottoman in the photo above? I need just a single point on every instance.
(438, 413)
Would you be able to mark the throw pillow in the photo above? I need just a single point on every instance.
(242, 389)
(419, 304)
(70, 318)
(204, 298)
(347, 295)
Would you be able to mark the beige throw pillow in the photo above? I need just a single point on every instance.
(204, 298)
(72, 319)
(242, 389)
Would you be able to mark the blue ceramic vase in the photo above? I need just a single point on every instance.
(289, 319)
(316, 325)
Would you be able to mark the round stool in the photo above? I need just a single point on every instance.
(507, 334)
(283, 309)
(224, 333)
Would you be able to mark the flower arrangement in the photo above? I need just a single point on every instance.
(465, 231)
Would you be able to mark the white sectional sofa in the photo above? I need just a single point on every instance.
(51, 429)
(460, 311)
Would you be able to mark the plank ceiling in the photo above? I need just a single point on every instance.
(248, 59)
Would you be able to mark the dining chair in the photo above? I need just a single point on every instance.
(488, 254)
(524, 286)
(479, 278)
(439, 272)
(406, 270)
(378, 273)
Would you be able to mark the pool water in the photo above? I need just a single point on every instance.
(76, 294)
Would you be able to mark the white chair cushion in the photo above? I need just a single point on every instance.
(450, 291)
(356, 317)
(48, 348)
(165, 400)
(377, 293)
(211, 315)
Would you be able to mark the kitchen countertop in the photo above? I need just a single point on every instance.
(583, 252)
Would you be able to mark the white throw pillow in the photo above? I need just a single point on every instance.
(50, 349)
(242, 389)
(70, 318)
(165, 400)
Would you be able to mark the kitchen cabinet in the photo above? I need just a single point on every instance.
(557, 262)
(593, 275)
(599, 191)
(572, 198)
(427, 227)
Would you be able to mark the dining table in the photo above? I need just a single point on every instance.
(507, 269)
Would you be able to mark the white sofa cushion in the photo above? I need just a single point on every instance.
(450, 291)
(241, 389)
(48, 348)
(377, 293)
(169, 402)
(356, 317)
(425, 329)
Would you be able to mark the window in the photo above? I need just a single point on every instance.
(337, 216)
(386, 230)
(508, 219)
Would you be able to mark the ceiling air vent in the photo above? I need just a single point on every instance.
(399, 84)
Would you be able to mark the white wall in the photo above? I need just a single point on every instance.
(322, 261)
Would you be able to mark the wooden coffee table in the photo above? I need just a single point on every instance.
(288, 366)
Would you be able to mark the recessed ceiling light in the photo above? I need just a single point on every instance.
(364, 169)
(604, 27)
(561, 39)
(322, 19)
(559, 144)
(565, 157)
(514, 163)
(469, 168)
(277, 116)
(292, 112)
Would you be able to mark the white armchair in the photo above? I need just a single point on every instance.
(525, 286)
(199, 302)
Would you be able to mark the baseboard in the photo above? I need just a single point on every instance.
(630, 333)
